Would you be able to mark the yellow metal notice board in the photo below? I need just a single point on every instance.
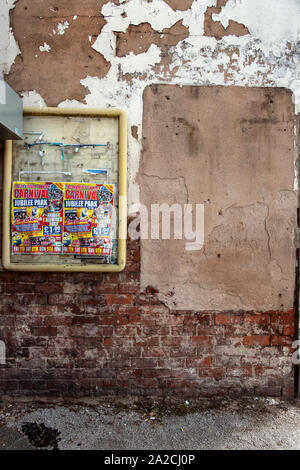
(64, 195)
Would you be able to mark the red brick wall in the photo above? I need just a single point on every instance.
(93, 334)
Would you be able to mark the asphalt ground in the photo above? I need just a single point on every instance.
(133, 424)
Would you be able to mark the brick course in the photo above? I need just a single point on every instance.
(79, 334)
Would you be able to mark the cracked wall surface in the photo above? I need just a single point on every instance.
(102, 53)
(211, 89)
(267, 56)
(232, 149)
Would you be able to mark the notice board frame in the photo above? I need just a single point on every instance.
(7, 262)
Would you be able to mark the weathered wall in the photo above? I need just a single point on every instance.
(232, 149)
(68, 62)
(231, 331)
(90, 334)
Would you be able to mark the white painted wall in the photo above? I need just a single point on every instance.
(264, 56)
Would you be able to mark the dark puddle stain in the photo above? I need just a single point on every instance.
(40, 435)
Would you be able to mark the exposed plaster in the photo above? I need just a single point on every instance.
(195, 60)
(266, 57)
(56, 75)
(8, 47)
(138, 39)
(179, 4)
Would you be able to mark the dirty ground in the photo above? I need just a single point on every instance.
(110, 424)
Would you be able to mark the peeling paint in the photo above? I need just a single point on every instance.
(196, 60)
(179, 4)
(231, 149)
(45, 47)
(146, 59)
(56, 75)
(32, 98)
(265, 57)
(9, 48)
(274, 22)
(251, 43)
(138, 39)
(61, 27)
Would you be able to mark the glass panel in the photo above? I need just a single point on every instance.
(70, 149)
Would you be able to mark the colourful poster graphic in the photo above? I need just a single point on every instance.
(37, 218)
(62, 218)
(87, 218)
